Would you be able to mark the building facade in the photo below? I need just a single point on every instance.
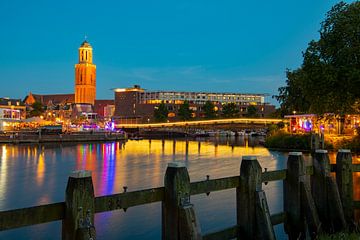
(85, 76)
(137, 105)
(104, 108)
(11, 112)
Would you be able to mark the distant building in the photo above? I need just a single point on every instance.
(81, 103)
(56, 106)
(104, 108)
(84, 112)
(11, 112)
(85, 76)
(137, 105)
(50, 99)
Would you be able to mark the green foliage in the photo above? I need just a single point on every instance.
(37, 109)
(185, 113)
(209, 110)
(251, 111)
(352, 144)
(284, 140)
(329, 78)
(230, 110)
(291, 96)
(277, 114)
(161, 113)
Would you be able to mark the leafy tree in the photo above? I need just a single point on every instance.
(161, 113)
(291, 97)
(251, 111)
(329, 78)
(209, 110)
(230, 110)
(37, 109)
(185, 113)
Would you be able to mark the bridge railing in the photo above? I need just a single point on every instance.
(303, 201)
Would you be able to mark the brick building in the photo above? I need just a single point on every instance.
(137, 105)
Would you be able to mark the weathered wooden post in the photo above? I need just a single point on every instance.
(292, 196)
(253, 216)
(299, 206)
(344, 179)
(78, 222)
(179, 221)
(314, 141)
(326, 194)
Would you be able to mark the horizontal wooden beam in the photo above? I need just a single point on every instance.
(273, 175)
(228, 233)
(31, 216)
(277, 218)
(128, 199)
(355, 167)
(214, 185)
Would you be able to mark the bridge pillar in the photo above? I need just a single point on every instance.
(179, 221)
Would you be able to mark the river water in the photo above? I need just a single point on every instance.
(37, 174)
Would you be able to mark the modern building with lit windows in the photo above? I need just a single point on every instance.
(134, 105)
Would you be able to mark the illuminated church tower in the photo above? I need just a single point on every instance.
(85, 76)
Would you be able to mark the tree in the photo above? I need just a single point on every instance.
(37, 109)
(161, 113)
(230, 110)
(329, 78)
(251, 111)
(291, 97)
(209, 110)
(185, 113)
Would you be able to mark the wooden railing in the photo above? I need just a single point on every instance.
(253, 218)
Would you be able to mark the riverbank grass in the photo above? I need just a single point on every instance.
(283, 140)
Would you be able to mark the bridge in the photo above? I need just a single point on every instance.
(259, 122)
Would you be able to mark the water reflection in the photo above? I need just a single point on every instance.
(37, 174)
(3, 171)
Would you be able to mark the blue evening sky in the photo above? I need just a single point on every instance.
(189, 45)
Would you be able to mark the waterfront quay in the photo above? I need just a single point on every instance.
(36, 137)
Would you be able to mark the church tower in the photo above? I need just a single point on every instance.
(85, 76)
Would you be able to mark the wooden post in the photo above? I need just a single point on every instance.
(253, 217)
(308, 209)
(78, 222)
(178, 217)
(292, 195)
(318, 182)
(189, 225)
(344, 179)
(336, 213)
(326, 194)
(264, 226)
